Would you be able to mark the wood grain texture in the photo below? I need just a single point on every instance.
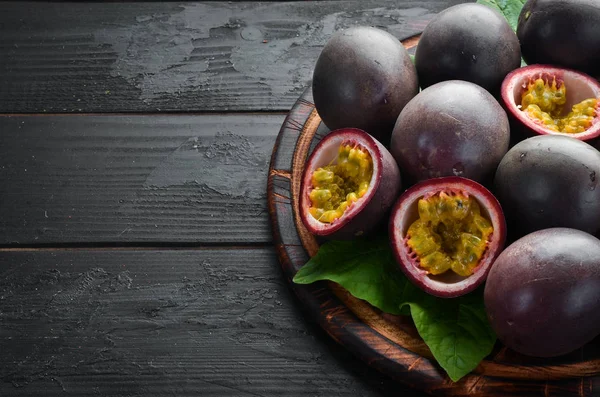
(135, 179)
(208, 322)
(175, 56)
(390, 343)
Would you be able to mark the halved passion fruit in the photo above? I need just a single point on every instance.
(546, 100)
(349, 183)
(446, 233)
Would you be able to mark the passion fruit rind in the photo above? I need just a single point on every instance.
(550, 181)
(362, 215)
(542, 295)
(452, 128)
(362, 79)
(561, 102)
(545, 35)
(471, 42)
(405, 212)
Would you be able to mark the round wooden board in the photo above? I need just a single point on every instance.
(390, 343)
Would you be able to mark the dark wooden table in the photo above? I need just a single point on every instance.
(136, 256)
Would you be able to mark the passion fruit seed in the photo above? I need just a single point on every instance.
(450, 233)
(337, 186)
(544, 101)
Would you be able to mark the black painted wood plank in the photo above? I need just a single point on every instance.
(204, 322)
(135, 179)
(169, 56)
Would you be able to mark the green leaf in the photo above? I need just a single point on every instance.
(456, 330)
(365, 268)
(509, 8)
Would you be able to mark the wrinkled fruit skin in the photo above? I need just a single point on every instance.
(363, 78)
(371, 214)
(469, 42)
(550, 181)
(542, 294)
(453, 128)
(562, 33)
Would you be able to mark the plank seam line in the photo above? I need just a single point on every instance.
(133, 247)
(145, 113)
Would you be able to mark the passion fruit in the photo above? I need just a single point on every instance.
(349, 183)
(363, 78)
(471, 42)
(561, 33)
(445, 234)
(543, 99)
(550, 181)
(542, 295)
(453, 128)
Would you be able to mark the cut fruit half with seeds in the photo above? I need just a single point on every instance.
(349, 183)
(546, 100)
(446, 233)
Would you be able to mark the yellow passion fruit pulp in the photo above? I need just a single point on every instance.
(450, 233)
(543, 99)
(336, 186)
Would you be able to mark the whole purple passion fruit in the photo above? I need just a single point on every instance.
(550, 181)
(561, 32)
(445, 234)
(349, 183)
(542, 295)
(363, 78)
(543, 99)
(453, 128)
(471, 42)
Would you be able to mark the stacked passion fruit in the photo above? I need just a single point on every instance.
(487, 149)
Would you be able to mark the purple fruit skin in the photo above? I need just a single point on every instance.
(471, 42)
(453, 128)
(562, 33)
(363, 78)
(550, 181)
(542, 294)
